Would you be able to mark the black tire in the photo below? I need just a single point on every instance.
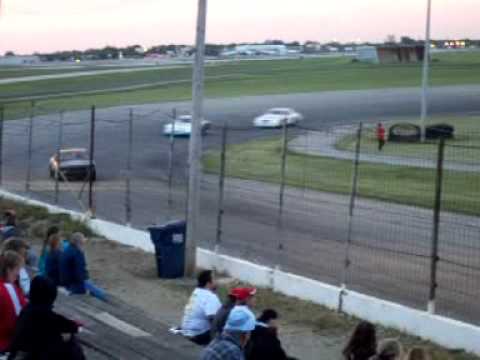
(94, 175)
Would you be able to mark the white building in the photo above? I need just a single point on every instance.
(262, 49)
(18, 60)
(367, 54)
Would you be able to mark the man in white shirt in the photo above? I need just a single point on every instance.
(201, 309)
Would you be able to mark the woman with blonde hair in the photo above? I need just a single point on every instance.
(418, 353)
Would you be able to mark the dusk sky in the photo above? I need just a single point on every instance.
(45, 25)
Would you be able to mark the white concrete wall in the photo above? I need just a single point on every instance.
(443, 331)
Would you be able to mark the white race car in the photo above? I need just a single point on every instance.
(182, 126)
(275, 118)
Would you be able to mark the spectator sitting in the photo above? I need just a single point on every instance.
(264, 342)
(9, 226)
(418, 353)
(21, 247)
(52, 231)
(389, 349)
(12, 299)
(221, 316)
(33, 339)
(230, 345)
(73, 269)
(201, 309)
(363, 342)
(52, 259)
(238, 296)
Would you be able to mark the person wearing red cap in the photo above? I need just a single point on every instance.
(241, 296)
(245, 296)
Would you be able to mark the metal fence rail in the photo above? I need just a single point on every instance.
(401, 224)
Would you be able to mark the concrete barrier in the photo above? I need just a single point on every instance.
(443, 331)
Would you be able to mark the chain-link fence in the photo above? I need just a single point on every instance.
(400, 223)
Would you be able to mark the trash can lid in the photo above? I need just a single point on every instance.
(170, 226)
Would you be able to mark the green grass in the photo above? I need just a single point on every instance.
(249, 78)
(467, 133)
(261, 160)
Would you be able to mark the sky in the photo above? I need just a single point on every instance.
(28, 26)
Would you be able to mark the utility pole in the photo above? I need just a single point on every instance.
(128, 183)
(2, 118)
(30, 150)
(91, 206)
(426, 73)
(171, 153)
(59, 147)
(195, 146)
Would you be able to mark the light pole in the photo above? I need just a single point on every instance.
(195, 146)
(426, 71)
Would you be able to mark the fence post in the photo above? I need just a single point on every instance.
(128, 189)
(59, 147)
(436, 227)
(221, 188)
(2, 118)
(170, 162)
(91, 206)
(30, 141)
(282, 178)
(353, 196)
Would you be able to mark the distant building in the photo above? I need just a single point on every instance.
(311, 47)
(391, 54)
(18, 60)
(257, 49)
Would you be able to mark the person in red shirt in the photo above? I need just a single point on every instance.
(12, 299)
(380, 136)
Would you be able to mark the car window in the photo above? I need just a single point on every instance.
(279, 112)
(185, 119)
(73, 155)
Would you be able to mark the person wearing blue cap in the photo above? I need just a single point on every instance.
(230, 345)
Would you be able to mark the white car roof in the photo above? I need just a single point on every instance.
(185, 117)
(281, 109)
(72, 150)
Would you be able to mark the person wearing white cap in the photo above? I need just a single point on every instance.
(230, 345)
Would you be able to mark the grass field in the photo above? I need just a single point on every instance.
(261, 160)
(465, 147)
(243, 78)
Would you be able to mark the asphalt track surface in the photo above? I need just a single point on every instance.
(390, 253)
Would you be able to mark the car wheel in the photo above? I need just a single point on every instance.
(94, 175)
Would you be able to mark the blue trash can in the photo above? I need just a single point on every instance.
(169, 242)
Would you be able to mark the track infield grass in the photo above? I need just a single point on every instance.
(260, 160)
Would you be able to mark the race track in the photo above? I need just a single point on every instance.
(391, 250)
